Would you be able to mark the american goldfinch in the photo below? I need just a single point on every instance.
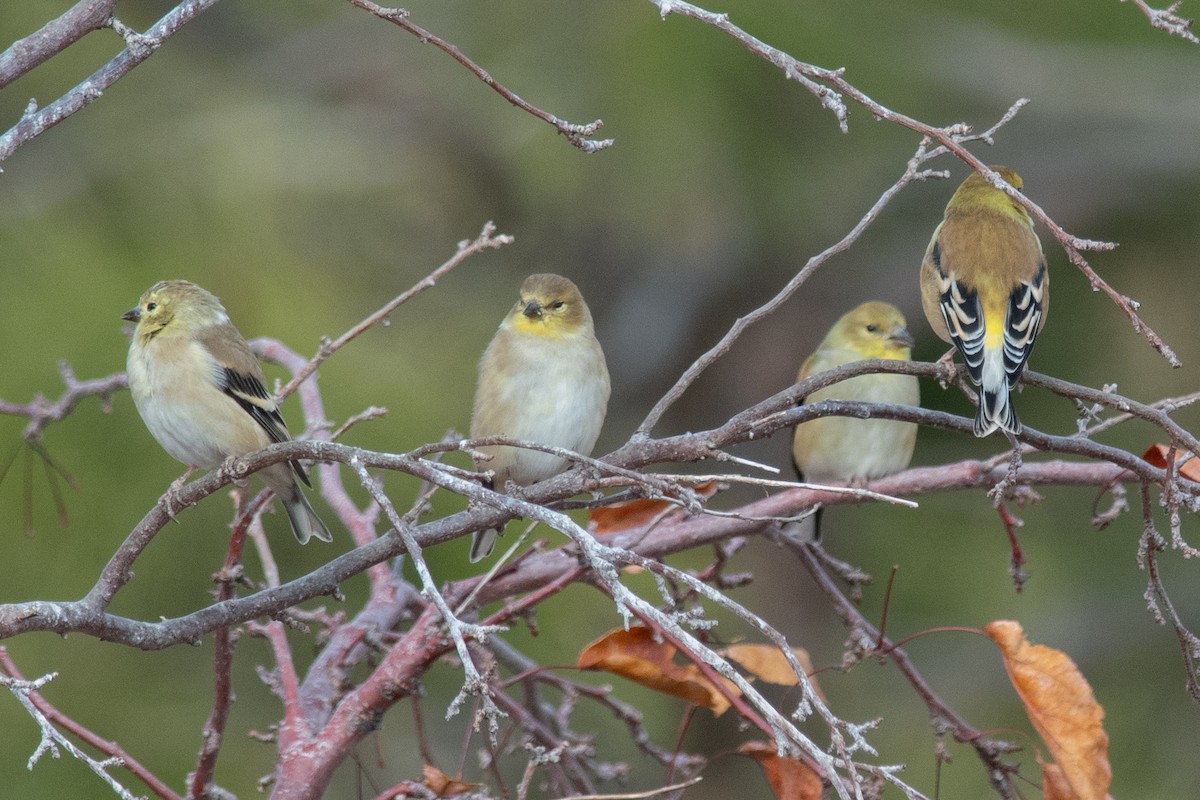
(200, 391)
(985, 289)
(542, 379)
(848, 449)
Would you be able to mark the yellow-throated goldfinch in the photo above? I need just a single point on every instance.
(849, 449)
(542, 379)
(200, 391)
(985, 289)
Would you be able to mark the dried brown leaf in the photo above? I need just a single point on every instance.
(1055, 785)
(634, 654)
(765, 661)
(790, 778)
(639, 513)
(1060, 704)
(1188, 465)
(442, 784)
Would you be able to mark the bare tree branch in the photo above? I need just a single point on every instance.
(41, 412)
(52, 38)
(830, 85)
(871, 641)
(401, 630)
(576, 134)
(49, 719)
(486, 240)
(139, 47)
(1168, 19)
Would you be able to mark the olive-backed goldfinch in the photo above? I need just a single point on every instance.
(985, 289)
(542, 379)
(849, 449)
(200, 391)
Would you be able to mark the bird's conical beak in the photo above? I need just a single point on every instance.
(902, 337)
(133, 315)
(532, 310)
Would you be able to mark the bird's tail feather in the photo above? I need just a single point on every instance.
(804, 531)
(305, 522)
(482, 543)
(996, 412)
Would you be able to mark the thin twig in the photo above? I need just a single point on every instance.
(1168, 20)
(42, 412)
(990, 751)
(674, 787)
(723, 346)
(576, 134)
(486, 240)
(49, 719)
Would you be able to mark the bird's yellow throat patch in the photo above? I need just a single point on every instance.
(883, 349)
(546, 327)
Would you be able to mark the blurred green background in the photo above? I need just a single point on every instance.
(307, 161)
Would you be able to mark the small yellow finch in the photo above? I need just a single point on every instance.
(848, 449)
(543, 379)
(985, 289)
(200, 391)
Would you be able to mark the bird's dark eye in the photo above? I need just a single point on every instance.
(872, 328)
(151, 306)
(557, 305)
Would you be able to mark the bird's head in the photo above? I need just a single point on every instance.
(174, 306)
(550, 306)
(875, 330)
(977, 194)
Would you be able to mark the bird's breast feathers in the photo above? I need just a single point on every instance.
(174, 383)
(541, 390)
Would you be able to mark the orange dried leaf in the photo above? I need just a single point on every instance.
(790, 778)
(1159, 454)
(634, 654)
(768, 663)
(639, 513)
(442, 784)
(1054, 783)
(1060, 704)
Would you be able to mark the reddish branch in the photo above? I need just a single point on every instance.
(213, 733)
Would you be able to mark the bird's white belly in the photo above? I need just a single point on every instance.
(563, 408)
(176, 410)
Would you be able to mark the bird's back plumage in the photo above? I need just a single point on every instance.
(985, 289)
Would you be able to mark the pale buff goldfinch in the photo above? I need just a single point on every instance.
(542, 379)
(849, 449)
(201, 393)
(985, 289)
